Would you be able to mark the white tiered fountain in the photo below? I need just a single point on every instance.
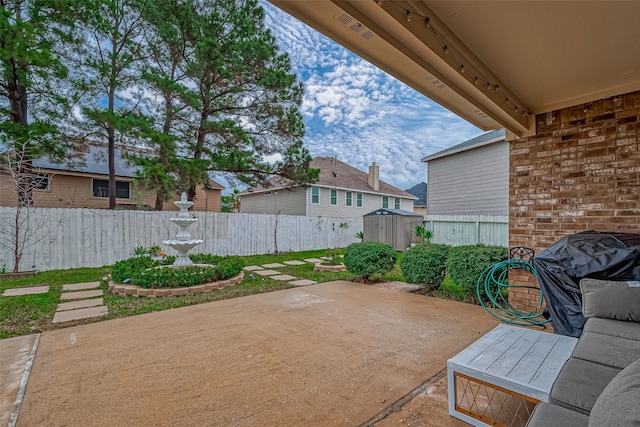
(183, 242)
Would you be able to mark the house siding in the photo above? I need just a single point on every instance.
(75, 191)
(473, 182)
(289, 201)
(370, 202)
(581, 171)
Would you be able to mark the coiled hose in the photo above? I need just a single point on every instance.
(494, 280)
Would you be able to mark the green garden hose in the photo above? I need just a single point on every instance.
(492, 283)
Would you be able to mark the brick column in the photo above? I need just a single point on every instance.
(581, 171)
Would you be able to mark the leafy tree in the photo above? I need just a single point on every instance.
(31, 33)
(245, 98)
(22, 229)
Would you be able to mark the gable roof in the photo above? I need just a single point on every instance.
(420, 191)
(478, 141)
(336, 174)
(95, 162)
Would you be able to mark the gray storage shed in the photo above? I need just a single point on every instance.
(394, 227)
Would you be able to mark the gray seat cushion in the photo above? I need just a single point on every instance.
(611, 299)
(579, 384)
(608, 350)
(547, 415)
(619, 403)
(615, 328)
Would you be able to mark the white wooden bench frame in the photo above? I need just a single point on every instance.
(521, 362)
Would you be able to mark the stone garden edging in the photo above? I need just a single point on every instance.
(136, 291)
(323, 267)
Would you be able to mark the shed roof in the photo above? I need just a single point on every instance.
(385, 211)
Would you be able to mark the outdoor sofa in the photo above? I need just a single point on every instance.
(600, 384)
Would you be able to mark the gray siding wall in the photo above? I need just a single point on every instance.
(284, 202)
(473, 182)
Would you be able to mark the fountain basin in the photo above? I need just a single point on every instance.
(183, 221)
(182, 244)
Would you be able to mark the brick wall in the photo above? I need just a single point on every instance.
(581, 171)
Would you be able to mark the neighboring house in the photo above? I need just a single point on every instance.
(341, 191)
(471, 178)
(83, 183)
(420, 191)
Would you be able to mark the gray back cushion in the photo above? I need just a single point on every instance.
(619, 403)
(610, 299)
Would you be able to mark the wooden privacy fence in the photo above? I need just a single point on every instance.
(72, 238)
(458, 230)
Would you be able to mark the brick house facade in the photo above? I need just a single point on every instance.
(581, 171)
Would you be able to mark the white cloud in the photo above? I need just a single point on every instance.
(359, 113)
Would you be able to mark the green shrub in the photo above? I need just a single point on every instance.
(127, 268)
(465, 264)
(228, 267)
(142, 271)
(425, 263)
(450, 289)
(368, 258)
(168, 277)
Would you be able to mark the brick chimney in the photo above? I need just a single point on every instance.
(374, 176)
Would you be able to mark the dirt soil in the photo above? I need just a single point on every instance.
(332, 354)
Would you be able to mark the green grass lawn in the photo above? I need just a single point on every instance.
(21, 315)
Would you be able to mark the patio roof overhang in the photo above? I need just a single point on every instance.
(495, 64)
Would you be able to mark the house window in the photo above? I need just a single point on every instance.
(315, 195)
(385, 202)
(396, 203)
(334, 198)
(40, 181)
(101, 188)
(359, 200)
(348, 201)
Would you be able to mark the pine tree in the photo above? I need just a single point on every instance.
(31, 37)
(245, 98)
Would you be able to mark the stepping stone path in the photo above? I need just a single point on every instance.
(33, 290)
(80, 306)
(267, 270)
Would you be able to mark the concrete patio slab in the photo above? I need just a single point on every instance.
(314, 260)
(80, 286)
(399, 286)
(73, 305)
(82, 313)
(283, 277)
(14, 354)
(294, 262)
(266, 272)
(331, 354)
(303, 282)
(273, 265)
(32, 290)
(252, 267)
(81, 294)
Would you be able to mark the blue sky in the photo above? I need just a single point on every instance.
(360, 114)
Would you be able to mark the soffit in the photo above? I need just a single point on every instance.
(542, 55)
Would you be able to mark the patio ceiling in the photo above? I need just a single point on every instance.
(494, 63)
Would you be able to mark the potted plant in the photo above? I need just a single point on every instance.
(423, 234)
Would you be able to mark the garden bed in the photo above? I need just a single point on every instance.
(18, 275)
(137, 291)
